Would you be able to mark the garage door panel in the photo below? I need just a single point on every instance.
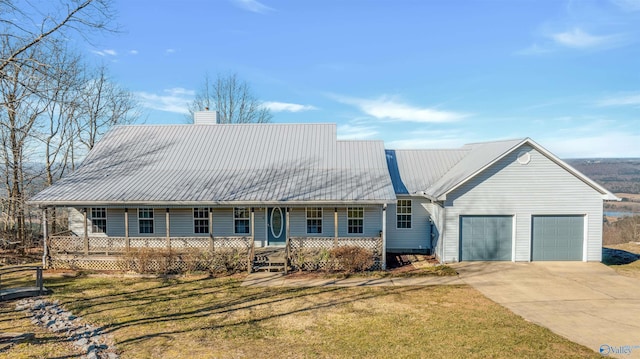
(557, 238)
(486, 238)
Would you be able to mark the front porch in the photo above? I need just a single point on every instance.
(111, 253)
(106, 234)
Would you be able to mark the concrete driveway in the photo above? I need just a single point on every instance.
(588, 303)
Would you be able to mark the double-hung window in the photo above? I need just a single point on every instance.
(145, 220)
(314, 220)
(200, 220)
(355, 220)
(98, 220)
(403, 213)
(241, 220)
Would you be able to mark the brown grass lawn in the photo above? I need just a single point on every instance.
(217, 318)
(629, 269)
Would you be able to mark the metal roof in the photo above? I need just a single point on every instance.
(414, 171)
(223, 163)
(434, 173)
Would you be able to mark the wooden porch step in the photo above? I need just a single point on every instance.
(270, 260)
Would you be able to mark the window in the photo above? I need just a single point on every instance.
(241, 220)
(355, 219)
(145, 220)
(201, 220)
(314, 220)
(98, 220)
(403, 213)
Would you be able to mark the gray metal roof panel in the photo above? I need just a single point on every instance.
(255, 162)
(414, 171)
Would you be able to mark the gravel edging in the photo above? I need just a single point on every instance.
(86, 337)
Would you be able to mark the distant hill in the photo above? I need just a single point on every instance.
(618, 175)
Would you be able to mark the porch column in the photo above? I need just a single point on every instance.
(167, 218)
(286, 259)
(86, 232)
(211, 229)
(253, 243)
(45, 237)
(335, 227)
(384, 237)
(127, 242)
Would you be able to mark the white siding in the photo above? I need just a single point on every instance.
(418, 237)
(509, 188)
(76, 221)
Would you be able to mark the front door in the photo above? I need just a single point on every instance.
(276, 226)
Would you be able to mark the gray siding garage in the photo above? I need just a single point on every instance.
(486, 238)
(557, 238)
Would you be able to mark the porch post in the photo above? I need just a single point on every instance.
(384, 237)
(253, 243)
(86, 232)
(335, 227)
(286, 259)
(127, 242)
(167, 220)
(211, 229)
(45, 236)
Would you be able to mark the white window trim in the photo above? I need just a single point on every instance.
(105, 220)
(321, 218)
(348, 218)
(153, 220)
(410, 214)
(241, 219)
(193, 213)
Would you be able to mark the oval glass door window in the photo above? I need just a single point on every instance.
(276, 222)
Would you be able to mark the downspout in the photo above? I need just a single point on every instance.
(443, 229)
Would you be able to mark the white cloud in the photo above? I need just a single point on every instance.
(133, 52)
(287, 107)
(252, 5)
(577, 38)
(390, 109)
(356, 132)
(621, 100)
(628, 5)
(172, 100)
(105, 52)
(170, 51)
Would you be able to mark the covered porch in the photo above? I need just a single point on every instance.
(98, 236)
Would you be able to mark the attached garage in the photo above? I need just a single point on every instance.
(557, 238)
(486, 238)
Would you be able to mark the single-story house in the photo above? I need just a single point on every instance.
(280, 184)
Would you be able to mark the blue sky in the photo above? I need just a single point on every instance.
(416, 74)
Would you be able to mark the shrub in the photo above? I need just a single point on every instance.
(624, 230)
(352, 258)
(168, 261)
(151, 261)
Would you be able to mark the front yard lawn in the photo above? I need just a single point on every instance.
(217, 318)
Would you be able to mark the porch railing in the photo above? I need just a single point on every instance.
(313, 252)
(119, 245)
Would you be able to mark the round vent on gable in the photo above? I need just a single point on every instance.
(524, 157)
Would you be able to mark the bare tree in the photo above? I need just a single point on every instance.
(232, 98)
(28, 26)
(102, 105)
(33, 77)
(20, 90)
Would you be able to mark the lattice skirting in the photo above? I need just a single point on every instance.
(222, 260)
(313, 253)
